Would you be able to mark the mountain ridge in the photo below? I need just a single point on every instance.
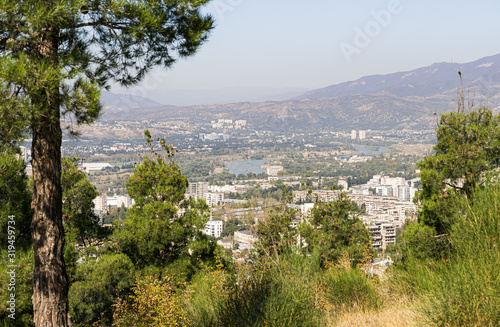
(401, 100)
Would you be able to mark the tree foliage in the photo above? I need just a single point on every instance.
(468, 147)
(80, 222)
(153, 303)
(276, 235)
(335, 229)
(96, 286)
(55, 56)
(14, 196)
(162, 225)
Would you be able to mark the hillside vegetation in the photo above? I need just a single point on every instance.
(155, 268)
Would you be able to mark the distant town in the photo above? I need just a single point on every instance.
(240, 171)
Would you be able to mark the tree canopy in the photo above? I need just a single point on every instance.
(162, 225)
(468, 147)
(78, 215)
(55, 56)
(335, 228)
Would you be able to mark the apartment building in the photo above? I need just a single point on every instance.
(383, 234)
(213, 228)
(197, 190)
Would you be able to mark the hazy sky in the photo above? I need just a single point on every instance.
(299, 44)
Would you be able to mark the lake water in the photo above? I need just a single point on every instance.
(243, 167)
(253, 166)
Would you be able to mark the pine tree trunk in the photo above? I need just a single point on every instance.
(50, 287)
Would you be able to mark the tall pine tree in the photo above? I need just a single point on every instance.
(55, 56)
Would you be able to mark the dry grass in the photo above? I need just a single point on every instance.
(401, 313)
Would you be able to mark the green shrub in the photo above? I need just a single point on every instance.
(23, 288)
(347, 287)
(264, 293)
(97, 284)
(463, 287)
(467, 289)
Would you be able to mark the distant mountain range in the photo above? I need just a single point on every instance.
(404, 100)
(432, 81)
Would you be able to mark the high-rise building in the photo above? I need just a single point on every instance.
(362, 135)
(353, 134)
(197, 190)
(213, 198)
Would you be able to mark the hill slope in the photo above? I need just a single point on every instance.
(404, 100)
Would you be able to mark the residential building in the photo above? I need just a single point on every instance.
(213, 198)
(383, 234)
(214, 228)
(94, 166)
(100, 203)
(197, 190)
(344, 184)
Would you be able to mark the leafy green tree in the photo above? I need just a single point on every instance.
(55, 56)
(419, 242)
(80, 222)
(162, 224)
(231, 226)
(275, 234)
(23, 313)
(115, 213)
(15, 202)
(334, 228)
(14, 197)
(468, 147)
(98, 283)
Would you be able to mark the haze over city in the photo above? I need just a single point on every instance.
(274, 50)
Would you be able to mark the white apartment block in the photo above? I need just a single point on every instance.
(213, 228)
(383, 234)
(375, 180)
(102, 202)
(393, 181)
(386, 209)
(406, 193)
(97, 166)
(213, 199)
(344, 184)
(362, 135)
(353, 134)
(385, 190)
(320, 196)
(241, 122)
(124, 200)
